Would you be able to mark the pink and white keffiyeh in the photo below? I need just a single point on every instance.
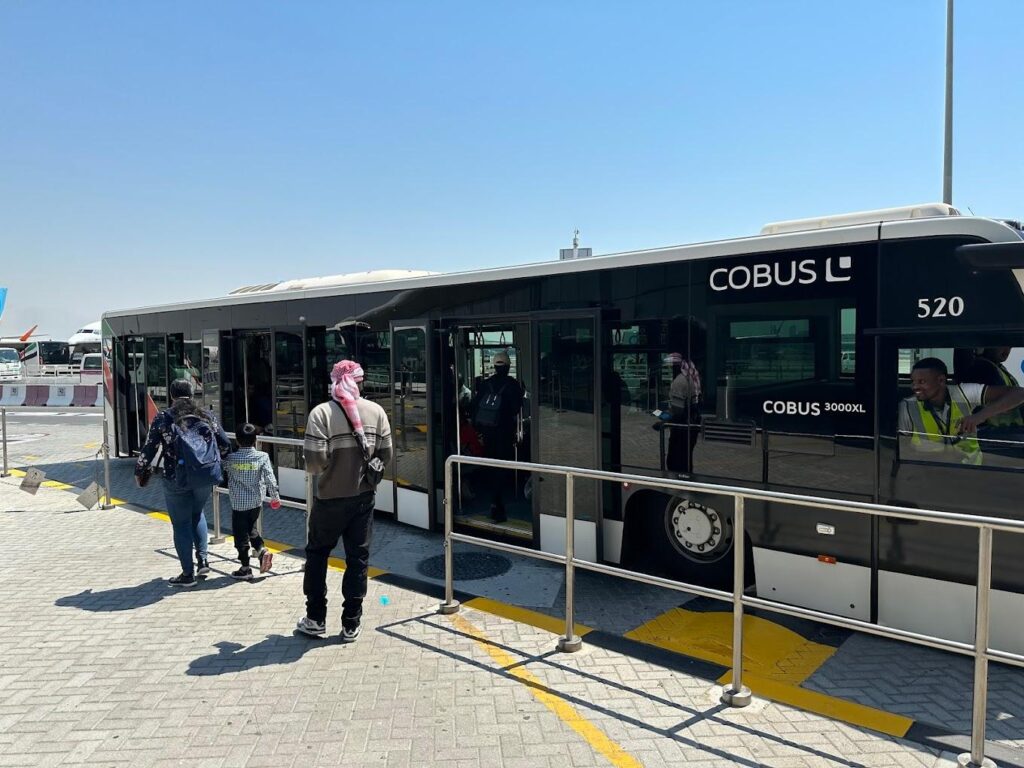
(345, 378)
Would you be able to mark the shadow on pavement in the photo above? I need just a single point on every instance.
(690, 716)
(276, 649)
(138, 596)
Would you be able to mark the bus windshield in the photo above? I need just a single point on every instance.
(8, 356)
(53, 353)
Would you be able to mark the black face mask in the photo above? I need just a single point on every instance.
(501, 370)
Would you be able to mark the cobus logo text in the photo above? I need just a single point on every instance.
(781, 274)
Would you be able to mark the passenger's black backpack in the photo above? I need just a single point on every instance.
(488, 410)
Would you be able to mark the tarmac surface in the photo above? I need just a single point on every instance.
(103, 663)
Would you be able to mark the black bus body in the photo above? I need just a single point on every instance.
(802, 343)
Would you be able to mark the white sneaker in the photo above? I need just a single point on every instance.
(350, 635)
(309, 627)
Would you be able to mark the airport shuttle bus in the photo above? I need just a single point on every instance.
(781, 361)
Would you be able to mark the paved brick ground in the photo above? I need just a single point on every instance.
(104, 664)
(931, 686)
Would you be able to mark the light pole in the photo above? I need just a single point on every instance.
(947, 164)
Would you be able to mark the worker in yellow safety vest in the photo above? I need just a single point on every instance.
(988, 368)
(942, 419)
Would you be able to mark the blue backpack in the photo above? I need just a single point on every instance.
(195, 445)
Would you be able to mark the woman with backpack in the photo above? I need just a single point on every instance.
(191, 443)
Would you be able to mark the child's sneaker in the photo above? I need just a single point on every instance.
(242, 573)
(266, 560)
(312, 628)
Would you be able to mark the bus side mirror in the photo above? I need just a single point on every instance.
(992, 256)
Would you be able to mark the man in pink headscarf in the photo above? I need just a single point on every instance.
(341, 435)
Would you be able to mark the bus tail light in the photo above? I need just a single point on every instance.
(830, 559)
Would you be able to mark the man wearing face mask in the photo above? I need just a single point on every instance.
(496, 410)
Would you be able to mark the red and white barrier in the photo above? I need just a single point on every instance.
(51, 396)
(87, 395)
(12, 395)
(36, 395)
(61, 397)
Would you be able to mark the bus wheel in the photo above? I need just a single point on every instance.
(696, 538)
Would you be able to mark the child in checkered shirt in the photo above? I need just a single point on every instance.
(250, 477)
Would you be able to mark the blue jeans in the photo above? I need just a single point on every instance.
(185, 508)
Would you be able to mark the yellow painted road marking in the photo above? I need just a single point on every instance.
(827, 706)
(276, 546)
(159, 516)
(524, 616)
(30, 457)
(769, 649)
(593, 735)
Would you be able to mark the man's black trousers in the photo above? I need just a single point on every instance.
(351, 521)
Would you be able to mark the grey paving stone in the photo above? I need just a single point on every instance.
(115, 668)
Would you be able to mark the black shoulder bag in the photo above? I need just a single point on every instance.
(373, 465)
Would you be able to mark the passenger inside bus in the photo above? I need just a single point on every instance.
(496, 409)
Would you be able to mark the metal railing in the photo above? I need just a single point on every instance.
(738, 695)
(3, 426)
(104, 451)
(218, 535)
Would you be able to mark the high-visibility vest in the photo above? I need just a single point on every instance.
(929, 436)
(1014, 418)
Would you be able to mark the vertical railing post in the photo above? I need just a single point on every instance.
(106, 463)
(570, 642)
(976, 757)
(737, 695)
(450, 604)
(3, 423)
(218, 537)
(259, 520)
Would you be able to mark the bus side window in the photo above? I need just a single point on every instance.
(938, 387)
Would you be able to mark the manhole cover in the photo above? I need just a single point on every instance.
(468, 566)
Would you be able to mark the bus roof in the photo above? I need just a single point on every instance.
(940, 225)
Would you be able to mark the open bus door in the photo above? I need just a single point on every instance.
(494, 500)
(411, 432)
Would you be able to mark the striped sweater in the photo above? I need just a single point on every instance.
(334, 456)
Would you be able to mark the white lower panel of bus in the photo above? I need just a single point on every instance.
(413, 508)
(611, 531)
(292, 482)
(552, 537)
(385, 501)
(946, 609)
(839, 588)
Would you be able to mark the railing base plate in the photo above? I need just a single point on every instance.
(218, 540)
(569, 644)
(965, 761)
(740, 698)
(447, 609)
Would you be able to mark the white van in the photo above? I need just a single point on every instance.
(91, 367)
(10, 364)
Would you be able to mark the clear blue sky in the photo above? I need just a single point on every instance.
(155, 151)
